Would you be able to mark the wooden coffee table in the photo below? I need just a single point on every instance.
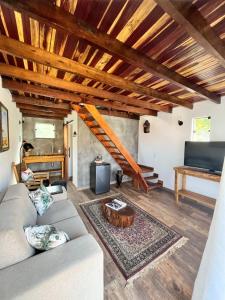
(121, 218)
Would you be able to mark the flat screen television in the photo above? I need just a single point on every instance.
(205, 155)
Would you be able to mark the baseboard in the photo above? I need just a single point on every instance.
(168, 190)
(111, 183)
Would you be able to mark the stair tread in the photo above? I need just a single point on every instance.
(100, 133)
(122, 162)
(90, 118)
(154, 185)
(116, 153)
(111, 147)
(146, 169)
(94, 126)
(154, 176)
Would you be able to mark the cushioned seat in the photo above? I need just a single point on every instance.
(74, 227)
(61, 196)
(14, 216)
(16, 191)
(58, 211)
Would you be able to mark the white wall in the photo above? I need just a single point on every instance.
(163, 147)
(210, 281)
(15, 139)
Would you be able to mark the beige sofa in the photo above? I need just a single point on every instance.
(71, 271)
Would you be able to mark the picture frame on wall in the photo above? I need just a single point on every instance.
(4, 128)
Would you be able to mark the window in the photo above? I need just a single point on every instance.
(44, 131)
(201, 129)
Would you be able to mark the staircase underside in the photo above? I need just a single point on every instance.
(142, 179)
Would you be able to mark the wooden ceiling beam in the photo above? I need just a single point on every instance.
(63, 20)
(40, 102)
(34, 111)
(30, 101)
(37, 111)
(34, 54)
(43, 109)
(13, 71)
(192, 21)
(123, 107)
(57, 94)
(39, 90)
(36, 115)
(120, 114)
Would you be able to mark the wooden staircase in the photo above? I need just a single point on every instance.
(98, 126)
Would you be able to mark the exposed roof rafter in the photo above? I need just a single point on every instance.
(196, 26)
(12, 71)
(19, 49)
(60, 19)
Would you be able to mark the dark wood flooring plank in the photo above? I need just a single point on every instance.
(174, 277)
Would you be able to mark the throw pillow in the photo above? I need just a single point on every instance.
(45, 237)
(44, 189)
(42, 200)
(27, 175)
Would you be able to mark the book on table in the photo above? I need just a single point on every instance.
(116, 204)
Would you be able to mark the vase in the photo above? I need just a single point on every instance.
(119, 178)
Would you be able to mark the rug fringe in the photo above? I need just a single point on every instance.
(181, 242)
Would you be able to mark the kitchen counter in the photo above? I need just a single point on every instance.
(47, 158)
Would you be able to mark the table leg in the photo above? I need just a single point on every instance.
(183, 182)
(176, 188)
(62, 169)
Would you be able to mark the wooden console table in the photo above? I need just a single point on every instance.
(188, 171)
(46, 159)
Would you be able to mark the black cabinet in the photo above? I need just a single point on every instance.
(100, 177)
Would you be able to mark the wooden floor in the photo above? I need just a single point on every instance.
(174, 277)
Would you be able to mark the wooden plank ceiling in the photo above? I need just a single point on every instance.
(127, 57)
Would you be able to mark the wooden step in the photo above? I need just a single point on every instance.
(100, 133)
(83, 111)
(154, 185)
(152, 177)
(94, 127)
(89, 118)
(110, 147)
(122, 162)
(202, 199)
(146, 169)
(116, 153)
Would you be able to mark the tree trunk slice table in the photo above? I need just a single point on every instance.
(121, 218)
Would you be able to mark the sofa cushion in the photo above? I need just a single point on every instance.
(16, 191)
(61, 196)
(20, 191)
(14, 216)
(58, 211)
(74, 227)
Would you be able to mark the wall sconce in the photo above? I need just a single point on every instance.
(180, 123)
(146, 126)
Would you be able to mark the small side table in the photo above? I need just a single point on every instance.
(121, 218)
(185, 171)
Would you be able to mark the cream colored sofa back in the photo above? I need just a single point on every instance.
(16, 212)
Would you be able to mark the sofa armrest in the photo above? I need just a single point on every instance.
(71, 271)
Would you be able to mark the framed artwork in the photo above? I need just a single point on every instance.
(4, 128)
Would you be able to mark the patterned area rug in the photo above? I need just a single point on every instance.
(146, 242)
